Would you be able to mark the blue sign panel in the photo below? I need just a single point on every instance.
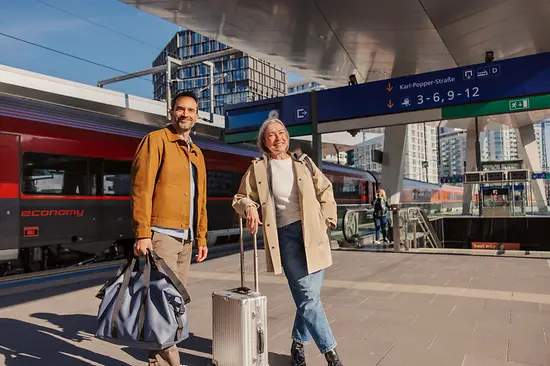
(505, 79)
(249, 116)
(452, 179)
(292, 110)
(542, 175)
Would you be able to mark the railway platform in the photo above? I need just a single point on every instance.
(384, 308)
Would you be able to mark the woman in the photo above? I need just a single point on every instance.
(298, 206)
(381, 207)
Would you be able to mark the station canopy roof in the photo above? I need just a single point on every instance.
(327, 40)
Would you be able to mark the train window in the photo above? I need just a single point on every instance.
(116, 177)
(346, 190)
(223, 183)
(54, 174)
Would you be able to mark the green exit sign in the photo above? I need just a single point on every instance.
(531, 103)
(519, 104)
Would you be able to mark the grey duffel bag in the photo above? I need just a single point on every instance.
(145, 308)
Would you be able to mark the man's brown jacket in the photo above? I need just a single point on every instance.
(161, 185)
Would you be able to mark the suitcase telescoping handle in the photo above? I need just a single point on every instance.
(256, 275)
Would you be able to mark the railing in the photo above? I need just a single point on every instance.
(357, 224)
(358, 229)
(419, 218)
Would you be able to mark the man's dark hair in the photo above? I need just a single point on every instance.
(184, 93)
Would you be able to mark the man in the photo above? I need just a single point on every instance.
(169, 198)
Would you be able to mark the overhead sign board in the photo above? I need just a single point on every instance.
(515, 85)
(457, 178)
(497, 107)
(473, 177)
(518, 175)
(506, 79)
(540, 175)
(246, 117)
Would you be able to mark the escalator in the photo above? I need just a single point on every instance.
(415, 230)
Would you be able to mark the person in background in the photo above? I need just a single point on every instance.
(169, 199)
(298, 207)
(380, 214)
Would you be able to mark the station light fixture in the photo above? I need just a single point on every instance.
(354, 132)
(352, 80)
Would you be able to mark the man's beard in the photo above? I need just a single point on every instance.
(184, 125)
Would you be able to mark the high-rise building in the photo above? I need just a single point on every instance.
(237, 78)
(496, 144)
(499, 144)
(364, 152)
(420, 147)
(452, 147)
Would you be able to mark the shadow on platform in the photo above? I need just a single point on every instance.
(24, 343)
(202, 345)
(193, 343)
(26, 294)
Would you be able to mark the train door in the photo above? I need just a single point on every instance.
(9, 197)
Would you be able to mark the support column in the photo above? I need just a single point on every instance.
(471, 164)
(528, 151)
(393, 164)
(395, 138)
(316, 142)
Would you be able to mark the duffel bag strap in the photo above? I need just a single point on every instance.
(121, 291)
(159, 262)
(146, 285)
(101, 293)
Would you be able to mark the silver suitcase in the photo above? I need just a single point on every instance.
(239, 321)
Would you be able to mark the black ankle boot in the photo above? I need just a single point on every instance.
(297, 354)
(333, 359)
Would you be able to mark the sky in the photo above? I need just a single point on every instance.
(95, 31)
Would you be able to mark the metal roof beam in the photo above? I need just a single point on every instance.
(162, 68)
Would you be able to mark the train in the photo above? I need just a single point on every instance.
(65, 185)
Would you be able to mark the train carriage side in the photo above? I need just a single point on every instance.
(9, 198)
(353, 188)
(225, 164)
(433, 198)
(73, 191)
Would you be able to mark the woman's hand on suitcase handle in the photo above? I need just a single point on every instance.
(142, 245)
(252, 219)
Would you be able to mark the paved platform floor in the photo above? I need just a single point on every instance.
(385, 309)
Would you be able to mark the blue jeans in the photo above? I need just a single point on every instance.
(310, 321)
(381, 223)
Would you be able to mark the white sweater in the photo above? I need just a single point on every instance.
(285, 192)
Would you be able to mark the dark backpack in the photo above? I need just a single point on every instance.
(307, 161)
(380, 208)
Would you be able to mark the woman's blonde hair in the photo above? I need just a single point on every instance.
(382, 193)
(261, 135)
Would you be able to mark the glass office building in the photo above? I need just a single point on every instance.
(237, 78)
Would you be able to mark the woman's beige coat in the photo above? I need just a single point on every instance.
(318, 209)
